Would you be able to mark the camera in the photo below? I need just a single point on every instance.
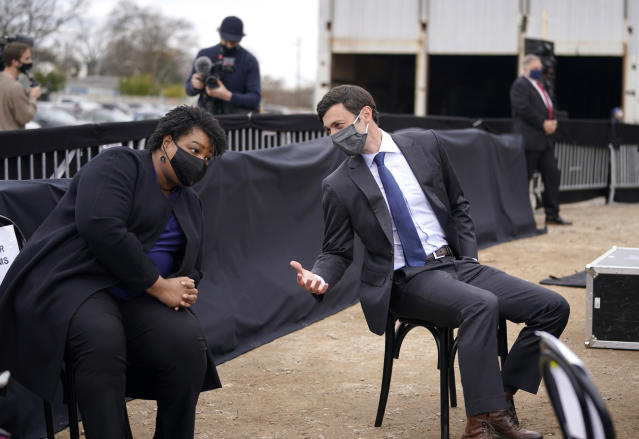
(212, 71)
(20, 38)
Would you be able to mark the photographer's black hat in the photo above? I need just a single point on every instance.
(232, 29)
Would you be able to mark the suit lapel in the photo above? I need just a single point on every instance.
(540, 99)
(366, 183)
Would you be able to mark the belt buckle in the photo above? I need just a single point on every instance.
(436, 256)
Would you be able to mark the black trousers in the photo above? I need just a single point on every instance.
(546, 162)
(470, 296)
(117, 345)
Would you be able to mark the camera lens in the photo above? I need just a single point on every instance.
(211, 81)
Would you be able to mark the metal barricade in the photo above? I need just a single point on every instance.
(60, 163)
(253, 139)
(582, 167)
(65, 162)
(624, 168)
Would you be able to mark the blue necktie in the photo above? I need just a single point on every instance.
(413, 251)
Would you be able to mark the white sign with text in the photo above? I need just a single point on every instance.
(8, 249)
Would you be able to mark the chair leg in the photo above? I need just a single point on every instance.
(48, 419)
(502, 341)
(72, 402)
(388, 370)
(444, 361)
(400, 334)
(451, 369)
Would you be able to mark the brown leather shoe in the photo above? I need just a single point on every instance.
(508, 427)
(478, 427)
(511, 412)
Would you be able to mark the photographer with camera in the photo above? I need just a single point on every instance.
(17, 105)
(226, 76)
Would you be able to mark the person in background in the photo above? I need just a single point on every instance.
(17, 105)
(533, 117)
(237, 88)
(616, 115)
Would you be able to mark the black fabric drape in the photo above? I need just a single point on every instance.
(592, 132)
(263, 209)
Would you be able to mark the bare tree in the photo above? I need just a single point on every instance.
(143, 41)
(90, 43)
(274, 92)
(38, 18)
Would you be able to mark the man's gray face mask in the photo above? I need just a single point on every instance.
(349, 140)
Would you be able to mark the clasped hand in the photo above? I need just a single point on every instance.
(175, 292)
(550, 126)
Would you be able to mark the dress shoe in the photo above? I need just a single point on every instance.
(556, 219)
(511, 412)
(506, 427)
(478, 427)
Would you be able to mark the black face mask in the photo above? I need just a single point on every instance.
(349, 140)
(25, 67)
(229, 52)
(188, 168)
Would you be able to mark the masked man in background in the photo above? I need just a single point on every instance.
(17, 105)
(533, 117)
(226, 76)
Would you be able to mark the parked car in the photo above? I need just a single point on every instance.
(148, 114)
(32, 125)
(75, 105)
(52, 116)
(100, 115)
(123, 108)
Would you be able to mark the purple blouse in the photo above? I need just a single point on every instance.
(170, 243)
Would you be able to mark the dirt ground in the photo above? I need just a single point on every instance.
(323, 381)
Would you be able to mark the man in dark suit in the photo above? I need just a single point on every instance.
(403, 200)
(533, 117)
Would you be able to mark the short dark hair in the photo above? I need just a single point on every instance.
(181, 120)
(13, 51)
(353, 97)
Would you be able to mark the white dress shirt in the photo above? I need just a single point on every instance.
(535, 84)
(428, 228)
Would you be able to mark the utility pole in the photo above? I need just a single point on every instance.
(298, 75)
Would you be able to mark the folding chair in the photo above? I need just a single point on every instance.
(446, 350)
(578, 406)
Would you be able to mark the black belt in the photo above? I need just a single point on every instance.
(439, 253)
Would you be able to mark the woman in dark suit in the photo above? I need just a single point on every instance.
(107, 280)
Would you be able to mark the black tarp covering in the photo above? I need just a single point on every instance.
(263, 209)
(589, 132)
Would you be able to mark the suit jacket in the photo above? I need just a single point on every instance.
(353, 203)
(528, 113)
(97, 236)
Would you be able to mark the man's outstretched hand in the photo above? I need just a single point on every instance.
(308, 280)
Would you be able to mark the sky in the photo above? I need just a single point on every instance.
(273, 29)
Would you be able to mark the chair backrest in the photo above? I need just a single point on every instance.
(578, 406)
